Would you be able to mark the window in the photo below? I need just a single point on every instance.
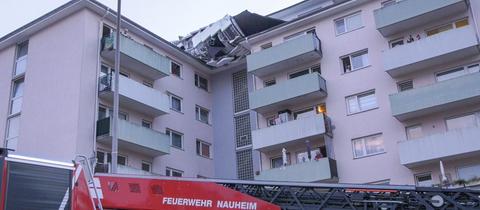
(203, 149)
(298, 74)
(13, 131)
(424, 180)
(121, 115)
(405, 85)
(396, 42)
(277, 162)
(176, 138)
(106, 157)
(202, 114)
(355, 61)
(390, 2)
(201, 82)
(175, 103)
(269, 83)
(295, 35)
(303, 157)
(21, 58)
(146, 166)
(146, 124)
(361, 102)
(367, 146)
(414, 132)
(466, 121)
(303, 113)
(311, 69)
(457, 72)
(447, 27)
(266, 46)
(148, 84)
(17, 96)
(176, 69)
(469, 172)
(349, 23)
(381, 182)
(173, 172)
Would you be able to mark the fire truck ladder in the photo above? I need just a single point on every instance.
(294, 195)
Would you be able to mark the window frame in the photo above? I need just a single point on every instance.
(423, 174)
(169, 132)
(344, 19)
(19, 80)
(147, 122)
(476, 115)
(404, 82)
(465, 69)
(198, 78)
(180, 68)
(149, 166)
(413, 126)
(20, 58)
(169, 172)
(266, 46)
(391, 42)
(273, 81)
(289, 160)
(311, 30)
(364, 146)
(198, 114)
(180, 99)
(349, 112)
(199, 150)
(350, 57)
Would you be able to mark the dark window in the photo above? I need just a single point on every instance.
(300, 73)
(405, 85)
(201, 82)
(175, 69)
(146, 166)
(176, 103)
(270, 82)
(266, 46)
(146, 124)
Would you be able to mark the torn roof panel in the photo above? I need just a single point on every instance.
(218, 43)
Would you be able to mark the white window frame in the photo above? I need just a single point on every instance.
(423, 174)
(149, 166)
(170, 131)
(311, 30)
(171, 170)
(266, 46)
(350, 56)
(20, 97)
(147, 122)
(197, 84)
(476, 115)
(413, 126)
(269, 80)
(23, 58)
(356, 98)
(344, 19)
(199, 150)
(173, 96)
(198, 114)
(105, 157)
(364, 146)
(465, 71)
(172, 62)
(390, 43)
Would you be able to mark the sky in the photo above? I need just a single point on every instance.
(166, 18)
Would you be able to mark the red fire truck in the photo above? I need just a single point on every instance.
(36, 184)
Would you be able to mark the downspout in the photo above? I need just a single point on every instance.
(95, 113)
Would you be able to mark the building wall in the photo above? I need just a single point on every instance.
(340, 85)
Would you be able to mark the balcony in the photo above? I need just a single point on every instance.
(136, 57)
(293, 91)
(135, 96)
(134, 138)
(409, 14)
(292, 132)
(438, 49)
(286, 55)
(121, 169)
(459, 143)
(437, 97)
(324, 169)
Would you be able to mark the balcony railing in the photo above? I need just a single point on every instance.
(324, 169)
(135, 96)
(409, 14)
(287, 55)
(295, 131)
(296, 90)
(134, 137)
(440, 96)
(136, 57)
(443, 146)
(431, 51)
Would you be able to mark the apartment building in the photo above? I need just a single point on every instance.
(375, 91)
(350, 91)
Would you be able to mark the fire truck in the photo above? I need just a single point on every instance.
(36, 184)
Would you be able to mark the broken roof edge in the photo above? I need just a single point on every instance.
(69, 8)
(258, 37)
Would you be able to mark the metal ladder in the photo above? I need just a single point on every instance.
(90, 180)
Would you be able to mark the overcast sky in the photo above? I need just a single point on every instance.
(167, 18)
